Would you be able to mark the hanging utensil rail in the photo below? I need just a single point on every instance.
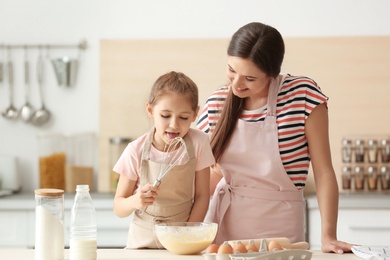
(82, 45)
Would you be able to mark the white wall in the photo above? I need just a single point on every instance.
(67, 21)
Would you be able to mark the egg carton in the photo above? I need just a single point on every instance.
(286, 254)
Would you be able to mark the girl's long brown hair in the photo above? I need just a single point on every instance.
(264, 46)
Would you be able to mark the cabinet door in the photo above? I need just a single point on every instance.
(14, 230)
(369, 227)
(111, 230)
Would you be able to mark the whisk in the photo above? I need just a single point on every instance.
(174, 152)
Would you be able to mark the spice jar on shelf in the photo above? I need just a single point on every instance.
(372, 177)
(346, 150)
(385, 178)
(372, 151)
(359, 178)
(359, 150)
(385, 150)
(346, 177)
(52, 158)
(117, 145)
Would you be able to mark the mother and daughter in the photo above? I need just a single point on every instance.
(250, 151)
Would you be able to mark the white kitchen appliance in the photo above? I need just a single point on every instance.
(8, 175)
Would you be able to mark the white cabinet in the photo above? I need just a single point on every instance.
(364, 218)
(14, 228)
(17, 221)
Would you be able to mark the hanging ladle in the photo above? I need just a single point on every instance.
(42, 115)
(26, 111)
(11, 112)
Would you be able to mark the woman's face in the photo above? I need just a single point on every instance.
(172, 115)
(246, 79)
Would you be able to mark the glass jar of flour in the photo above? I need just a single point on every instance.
(49, 224)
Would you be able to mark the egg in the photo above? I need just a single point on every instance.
(239, 248)
(225, 248)
(213, 248)
(274, 246)
(251, 247)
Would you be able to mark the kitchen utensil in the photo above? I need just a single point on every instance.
(27, 110)
(10, 112)
(42, 115)
(1, 72)
(186, 238)
(65, 70)
(283, 241)
(174, 152)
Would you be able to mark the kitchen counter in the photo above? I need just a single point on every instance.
(113, 254)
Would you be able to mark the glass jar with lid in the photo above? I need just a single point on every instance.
(346, 150)
(385, 177)
(359, 177)
(359, 150)
(385, 150)
(346, 177)
(372, 150)
(372, 177)
(81, 155)
(49, 224)
(117, 145)
(52, 158)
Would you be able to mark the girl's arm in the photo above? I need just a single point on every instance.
(125, 202)
(325, 179)
(215, 177)
(201, 196)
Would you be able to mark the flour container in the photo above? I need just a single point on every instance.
(81, 152)
(49, 224)
(52, 158)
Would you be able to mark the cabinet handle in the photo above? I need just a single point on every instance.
(369, 228)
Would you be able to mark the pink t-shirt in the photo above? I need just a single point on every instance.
(129, 164)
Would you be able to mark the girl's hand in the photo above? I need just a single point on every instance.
(145, 196)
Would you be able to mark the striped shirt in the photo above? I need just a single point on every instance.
(297, 97)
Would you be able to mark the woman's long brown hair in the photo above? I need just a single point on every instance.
(264, 46)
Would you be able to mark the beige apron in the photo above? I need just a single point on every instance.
(174, 201)
(256, 198)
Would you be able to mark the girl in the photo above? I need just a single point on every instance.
(183, 194)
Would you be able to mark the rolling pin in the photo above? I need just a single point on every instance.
(286, 243)
(283, 241)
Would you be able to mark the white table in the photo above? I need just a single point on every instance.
(121, 254)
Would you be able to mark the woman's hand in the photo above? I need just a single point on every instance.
(335, 246)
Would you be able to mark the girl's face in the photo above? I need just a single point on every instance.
(246, 79)
(172, 115)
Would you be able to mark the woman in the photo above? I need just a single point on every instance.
(265, 129)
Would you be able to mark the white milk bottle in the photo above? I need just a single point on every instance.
(49, 224)
(83, 231)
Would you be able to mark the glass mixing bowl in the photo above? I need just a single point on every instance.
(186, 238)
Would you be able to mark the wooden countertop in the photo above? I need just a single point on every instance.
(120, 254)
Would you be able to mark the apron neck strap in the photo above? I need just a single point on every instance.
(273, 95)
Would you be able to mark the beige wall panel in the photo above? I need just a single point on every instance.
(353, 72)
(128, 70)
